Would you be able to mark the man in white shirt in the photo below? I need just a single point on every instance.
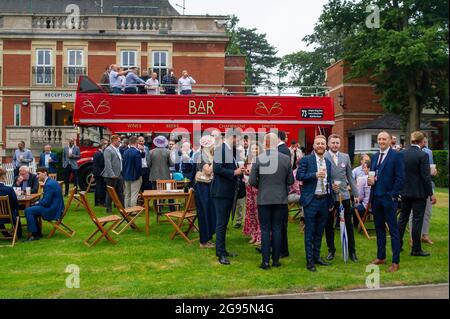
(185, 83)
(116, 78)
(152, 85)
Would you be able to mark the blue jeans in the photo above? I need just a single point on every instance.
(116, 90)
(270, 221)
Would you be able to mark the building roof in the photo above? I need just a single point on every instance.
(389, 122)
(87, 7)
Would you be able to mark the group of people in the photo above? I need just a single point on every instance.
(255, 182)
(118, 80)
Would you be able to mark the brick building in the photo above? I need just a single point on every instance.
(356, 106)
(43, 50)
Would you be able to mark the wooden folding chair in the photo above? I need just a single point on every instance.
(177, 218)
(59, 225)
(73, 196)
(363, 220)
(100, 223)
(7, 217)
(161, 185)
(88, 189)
(128, 214)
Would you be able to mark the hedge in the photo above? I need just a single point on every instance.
(441, 160)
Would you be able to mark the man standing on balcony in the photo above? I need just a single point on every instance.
(144, 77)
(152, 84)
(115, 80)
(131, 81)
(71, 153)
(22, 157)
(185, 83)
(168, 82)
(48, 159)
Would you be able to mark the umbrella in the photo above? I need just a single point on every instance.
(344, 238)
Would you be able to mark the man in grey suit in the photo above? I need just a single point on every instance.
(272, 175)
(71, 153)
(341, 172)
(112, 174)
(160, 160)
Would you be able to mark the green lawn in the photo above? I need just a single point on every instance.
(156, 267)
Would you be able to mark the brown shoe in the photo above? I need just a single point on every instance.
(393, 267)
(378, 262)
(426, 239)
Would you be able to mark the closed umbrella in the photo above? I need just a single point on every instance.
(344, 237)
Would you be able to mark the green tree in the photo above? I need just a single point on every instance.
(261, 56)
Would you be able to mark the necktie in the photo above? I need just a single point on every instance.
(335, 159)
(322, 182)
(294, 165)
(380, 160)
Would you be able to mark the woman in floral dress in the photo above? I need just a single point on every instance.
(251, 223)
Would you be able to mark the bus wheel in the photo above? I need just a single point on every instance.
(84, 175)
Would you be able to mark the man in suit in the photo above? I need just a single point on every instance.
(71, 153)
(98, 167)
(389, 168)
(282, 148)
(341, 171)
(272, 175)
(50, 207)
(13, 204)
(48, 159)
(417, 173)
(26, 179)
(223, 187)
(160, 160)
(315, 173)
(145, 154)
(112, 174)
(132, 170)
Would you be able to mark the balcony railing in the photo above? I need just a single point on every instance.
(72, 73)
(60, 22)
(43, 75)
(38, 136)
(143, 23)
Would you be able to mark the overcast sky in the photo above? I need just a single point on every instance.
(285, 22)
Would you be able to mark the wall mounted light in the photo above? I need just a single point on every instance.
(341, 101)
(25, 102)
(63, 106)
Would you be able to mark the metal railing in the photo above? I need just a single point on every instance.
(43, 75)
(72, 73)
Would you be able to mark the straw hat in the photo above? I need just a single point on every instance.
(160, 141)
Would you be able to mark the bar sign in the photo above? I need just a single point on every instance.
(311, 113)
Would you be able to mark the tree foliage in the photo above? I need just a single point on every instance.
(261, 56)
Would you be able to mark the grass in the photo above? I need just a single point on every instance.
(156, 267)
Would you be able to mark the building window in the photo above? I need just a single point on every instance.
(75, 66)
(160, 63)
(44, 69)
(17, 115)
(374, 142)
(128, 59)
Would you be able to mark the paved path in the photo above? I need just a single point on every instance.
(439, 291)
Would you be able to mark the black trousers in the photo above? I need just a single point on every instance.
(100, 190)
(284, 231)
(117, 184)
(418, 210)
(146, 184)
(222, 207)
(329, 227)
(67, 171)
(271, 218)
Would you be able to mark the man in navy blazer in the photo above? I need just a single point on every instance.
(13, 203)
(132, 173)
(389, 168)
(317, 201)
(50, 207)
(223, 186)
(48, 159)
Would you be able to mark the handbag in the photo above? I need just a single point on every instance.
(201, 177)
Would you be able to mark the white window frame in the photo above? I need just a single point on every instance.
(128, 53)
(44, 65)
(158, 68)
(74, 80)
(17, 113)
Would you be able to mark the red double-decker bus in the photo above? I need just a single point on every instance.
(190, 115)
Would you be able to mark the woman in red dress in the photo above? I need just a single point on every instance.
(251, 223)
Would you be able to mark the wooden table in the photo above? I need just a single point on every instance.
(150, 195)
(27, 200)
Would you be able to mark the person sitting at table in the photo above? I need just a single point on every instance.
(13, 204)
(50, 207)
(26, 179)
